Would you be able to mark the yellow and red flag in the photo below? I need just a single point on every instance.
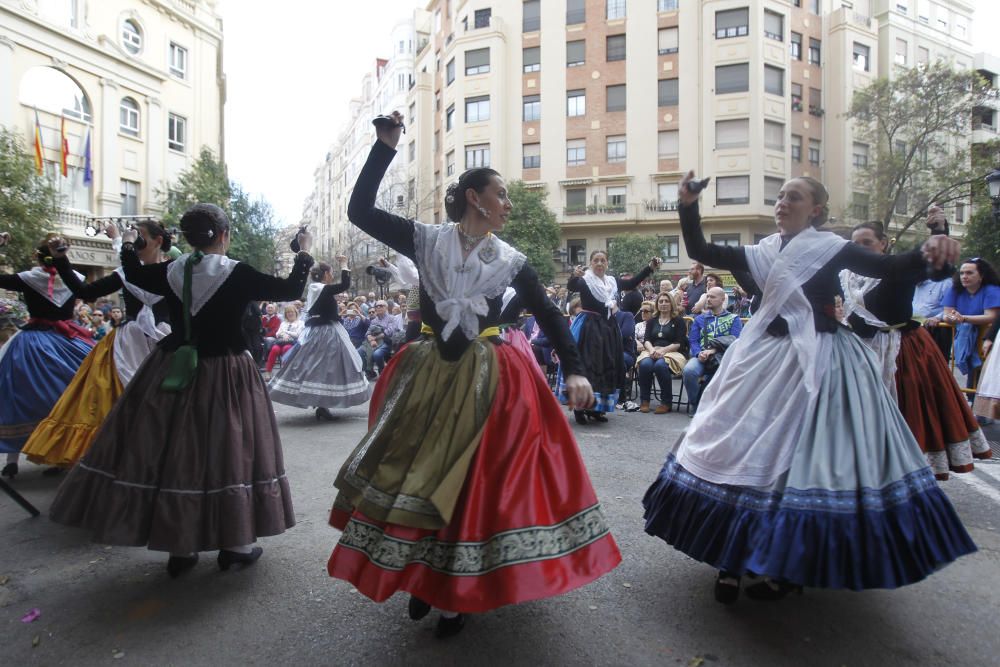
(39, 167)
(64, 159)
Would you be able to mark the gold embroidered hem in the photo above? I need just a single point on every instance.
(411, 466)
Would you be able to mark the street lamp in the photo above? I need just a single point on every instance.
(993, 183)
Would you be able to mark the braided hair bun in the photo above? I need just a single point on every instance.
(455, 203)
(203, 224)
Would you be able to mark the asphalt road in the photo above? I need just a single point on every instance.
(104, 605)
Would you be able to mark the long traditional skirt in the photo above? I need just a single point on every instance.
(322, 370)
(987, 402)
(934, 407)
(600, 343)
(190, 471)
(36, 367)
(469, 491)
(66, 433)
(856, 508)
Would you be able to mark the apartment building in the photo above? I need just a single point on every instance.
(136, 84)
(606, 103)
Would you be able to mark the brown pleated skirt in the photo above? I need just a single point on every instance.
(192, 471)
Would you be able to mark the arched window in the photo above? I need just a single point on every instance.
(48, 89)
(128, 116)
(131, 37)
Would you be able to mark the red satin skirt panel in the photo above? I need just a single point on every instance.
(527, 526)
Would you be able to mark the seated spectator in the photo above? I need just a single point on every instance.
(287, 334)
(928, 306)
(630, 299)
(664, 353)
(389, 324)
(270, 322)
(707, 327)
(973, 302)
(680, 294)
(645, 312)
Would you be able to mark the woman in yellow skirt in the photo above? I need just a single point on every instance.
(65, 435)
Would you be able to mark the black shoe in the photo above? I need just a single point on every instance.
(371, 375)
(178, 565)
(9, 470)
(726, 592)
(54, 471)
(597, 416)
(418, 608)
(769, 590)
(228, 558)
(580, 416)
(324, 415)
(449, 627)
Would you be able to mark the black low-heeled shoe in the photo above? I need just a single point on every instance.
(9, 470)
(449, 627)
(229, 558)
(770, 589)
(54, 471)
(598, 416)
(580, 416)
(178, 565)
(323, 414)
(418, 608)
(725, 592)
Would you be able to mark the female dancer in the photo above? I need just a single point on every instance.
(466, 492)
(40, 360)
(66, 433)
(665, 347)
(597, 334)
(189, 459)
(323, 369)
(798, 466)
(913, 370)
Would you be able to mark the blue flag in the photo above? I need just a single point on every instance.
(88, 172)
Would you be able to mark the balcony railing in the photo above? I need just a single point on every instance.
(595, 209)
(653, 205)
(815, 111)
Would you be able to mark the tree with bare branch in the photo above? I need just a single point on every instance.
(917, 126)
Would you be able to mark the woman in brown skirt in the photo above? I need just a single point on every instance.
(189, 459)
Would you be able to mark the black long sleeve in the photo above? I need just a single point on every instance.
(38, 306)
(12, 282)
(393, 230)
(88, 291)
(531, 292)
(710, 254)
(634, 281)
(325, 306)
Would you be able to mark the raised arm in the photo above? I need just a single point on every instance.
(87, 291)
(553, 324)
(150, 277)
(636, 280)
(393, 230)
(262, 287)
(12, 282)
(717, 256)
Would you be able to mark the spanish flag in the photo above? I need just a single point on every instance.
(64, 159)
(39, 167)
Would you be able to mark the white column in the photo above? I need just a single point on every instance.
(109, 200)
(156, 153)
(8, 91)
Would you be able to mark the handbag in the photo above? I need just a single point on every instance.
(184, 362)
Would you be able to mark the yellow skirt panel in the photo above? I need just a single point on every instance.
(63, 437)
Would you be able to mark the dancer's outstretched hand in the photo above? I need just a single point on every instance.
(579, 392)
(390, 135)
(940, 250)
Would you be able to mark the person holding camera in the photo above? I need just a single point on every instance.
(322, 371)
(189, 459)
(69, 429)
(461, 422)
(798, 466)
(40, 360)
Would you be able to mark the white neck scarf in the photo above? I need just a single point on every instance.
(460, 288)
(207, 277)
(146, 319)
(603, 289)
(782, 275)
(38, 280)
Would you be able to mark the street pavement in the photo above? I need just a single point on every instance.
(111, 605)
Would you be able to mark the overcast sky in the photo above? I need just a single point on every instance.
(293, 66)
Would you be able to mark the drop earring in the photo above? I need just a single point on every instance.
(483, 212)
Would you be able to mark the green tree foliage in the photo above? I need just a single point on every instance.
(254, 230)
(532, 228)
(28, 205)
(917, 126)
(631, 252)
(982, 236)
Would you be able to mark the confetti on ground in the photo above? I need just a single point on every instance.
(627, 585)
(31, 616)
(593, 607)
(117, 654)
